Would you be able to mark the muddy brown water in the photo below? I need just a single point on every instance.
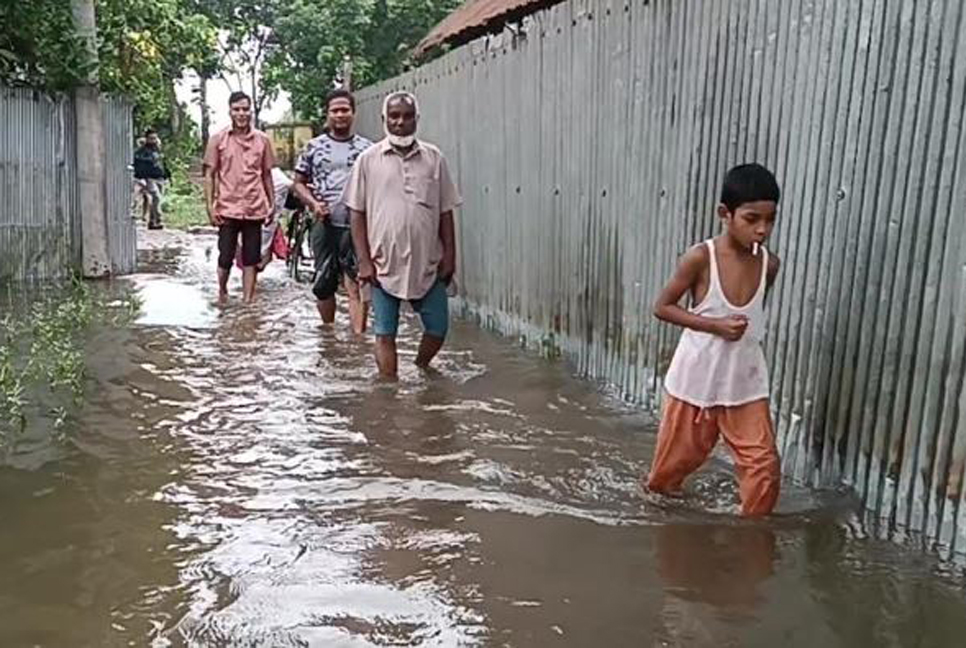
(237, 477)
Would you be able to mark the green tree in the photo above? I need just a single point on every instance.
(406, 23)
(311, 37)
(246, 40)
(37, 45)
(143, 48)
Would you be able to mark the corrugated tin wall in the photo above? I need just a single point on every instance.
(119, 148)
(36, 235)
(590, 148)
(39, 206)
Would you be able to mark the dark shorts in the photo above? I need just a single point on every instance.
(251, 234)
(334, 256)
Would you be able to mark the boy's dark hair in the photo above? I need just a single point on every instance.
(150, 131)
(338, 93)
(747, 183)
(237, 96)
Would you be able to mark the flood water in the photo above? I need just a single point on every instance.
(237, 477)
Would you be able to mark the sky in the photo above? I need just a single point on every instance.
(218, 92)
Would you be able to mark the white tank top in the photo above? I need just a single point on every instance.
(709, 371)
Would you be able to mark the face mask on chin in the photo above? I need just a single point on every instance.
(401, 141)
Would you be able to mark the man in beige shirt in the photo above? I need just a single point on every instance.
(401, 198)
(239, 192)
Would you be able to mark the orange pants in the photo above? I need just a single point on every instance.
(689, 433)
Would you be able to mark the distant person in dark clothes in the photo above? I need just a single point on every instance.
(150, 173)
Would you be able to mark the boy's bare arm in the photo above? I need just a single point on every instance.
(687, 275)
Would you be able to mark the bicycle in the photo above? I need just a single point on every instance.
(300, 262)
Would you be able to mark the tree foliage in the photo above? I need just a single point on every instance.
(146, 45)
(298, 45)
(247, 38)
(38, 46)
(311, 37)
(261, 46)
(143, 47)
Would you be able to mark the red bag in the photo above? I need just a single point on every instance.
(279, 245)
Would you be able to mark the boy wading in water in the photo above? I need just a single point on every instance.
(717, 383)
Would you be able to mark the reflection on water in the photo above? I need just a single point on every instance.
(172, 303)
(238, 477)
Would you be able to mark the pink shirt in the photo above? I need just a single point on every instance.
(239, 162)
(403, 198)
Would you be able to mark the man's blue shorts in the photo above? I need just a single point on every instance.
(433, 310)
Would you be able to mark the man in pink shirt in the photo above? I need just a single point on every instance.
(239, 192)
(401, 198)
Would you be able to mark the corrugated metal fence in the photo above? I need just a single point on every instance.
(590, 146)
(37, 195)
(119, 148)
(39, 207)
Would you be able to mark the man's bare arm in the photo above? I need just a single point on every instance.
(268, 161)
(360, 240)
(447, 235)
(301, 188)
(211, 194)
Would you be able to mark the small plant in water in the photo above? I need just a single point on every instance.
(42, 355)
(11, 386)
